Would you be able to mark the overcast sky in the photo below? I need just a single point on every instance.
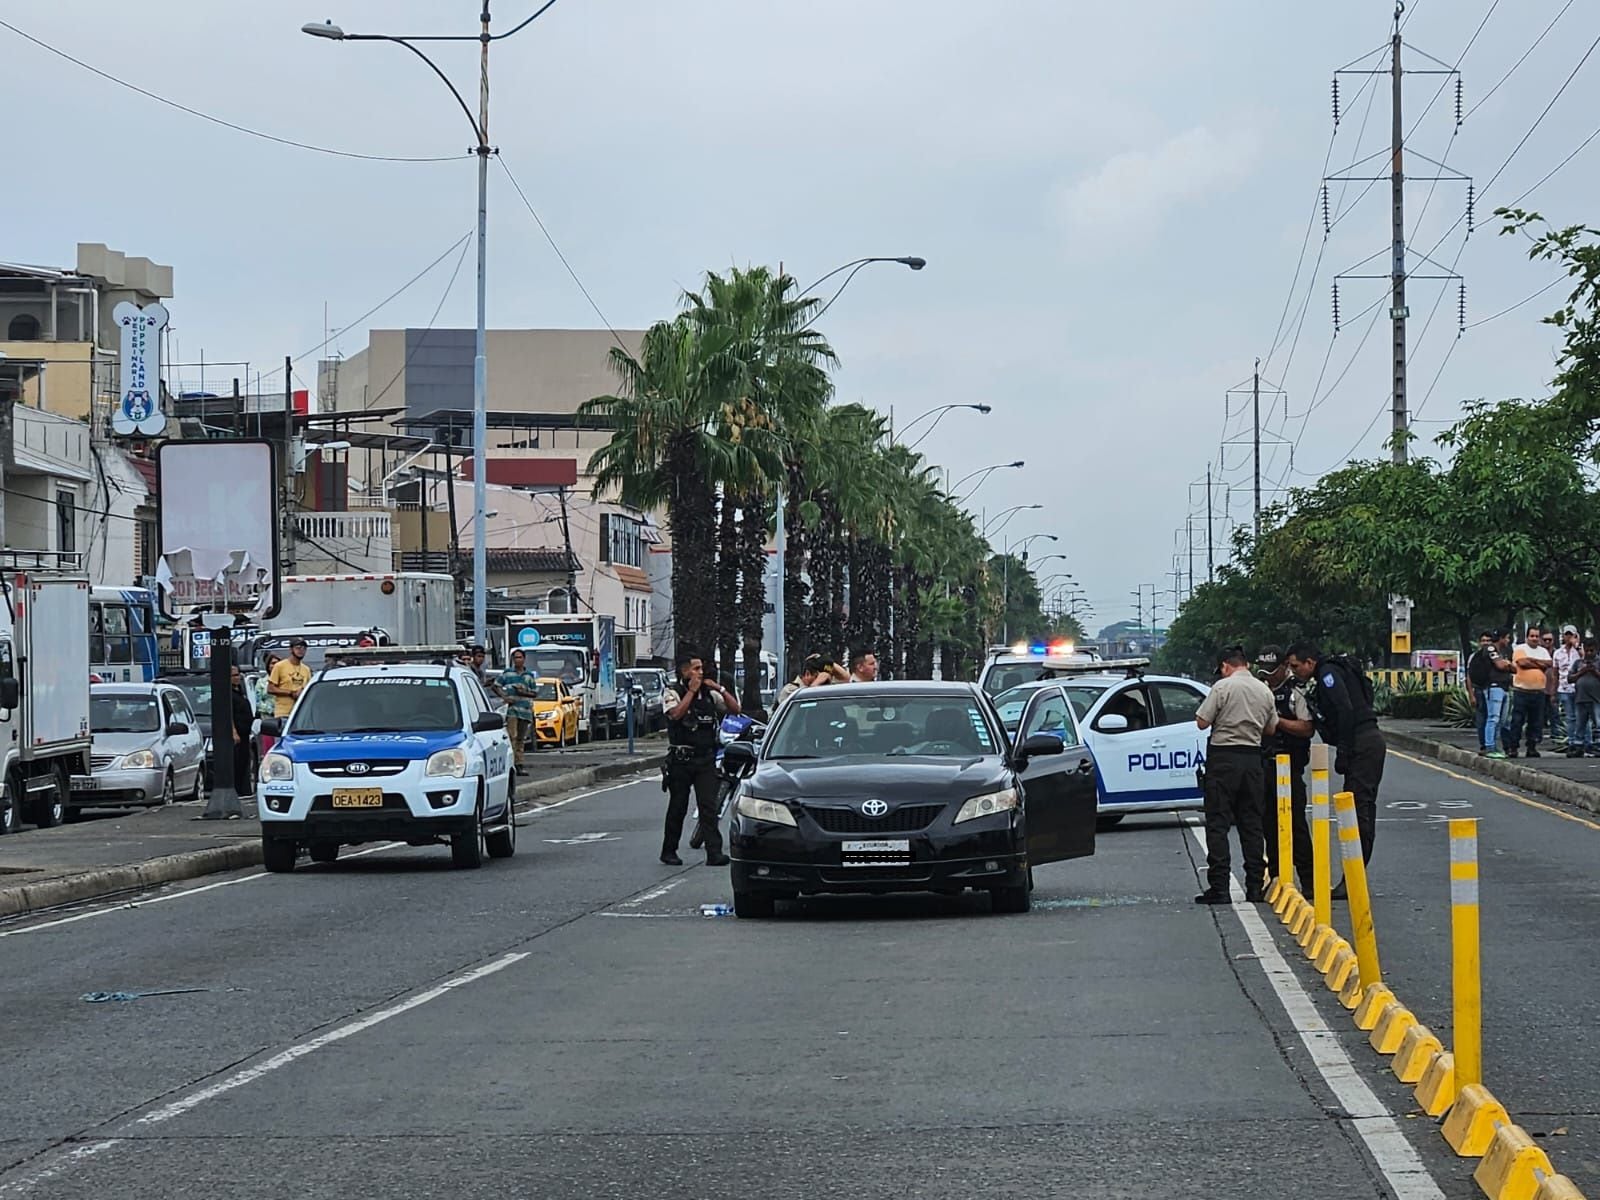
(1111, 198)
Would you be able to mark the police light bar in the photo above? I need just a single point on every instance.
(371, 656)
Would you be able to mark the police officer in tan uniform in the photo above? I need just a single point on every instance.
(1239, 711)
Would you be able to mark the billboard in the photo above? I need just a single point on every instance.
(138, 409)
(218, 526)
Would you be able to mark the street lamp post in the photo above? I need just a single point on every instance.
(938, 414)
(480, 369)
(779, 537)
(985, 472)
(1005, 578)
(1007, 514)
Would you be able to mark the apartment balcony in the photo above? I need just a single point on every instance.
(333, 543)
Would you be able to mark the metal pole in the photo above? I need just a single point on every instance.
(288, 467)
(1321, 858)
(777, 608)
(1211, 561)
(223, 803)
(1188, 536)
(1255, 395)
(630, 718)
(1397, 311)
(1355, 876)
(480, 366)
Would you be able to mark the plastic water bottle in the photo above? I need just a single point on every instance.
(716, 910)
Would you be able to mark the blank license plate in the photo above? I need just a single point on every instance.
(358, 797)
(881, 852)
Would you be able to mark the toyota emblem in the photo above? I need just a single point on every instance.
(873, 808)
(358, 768)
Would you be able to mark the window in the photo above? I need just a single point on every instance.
(1051, 716)
(67, 522)
(1178, 703)
(1131, 703)
(118, 645)
(621, 540)
(24, 328)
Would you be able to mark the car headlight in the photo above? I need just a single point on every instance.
(276, 768)
(451, 762)
(141, 760)
(987, 805)
(770, 811)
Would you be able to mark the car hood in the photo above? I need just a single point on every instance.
(339, 747)
(123, 743)
(897, 780)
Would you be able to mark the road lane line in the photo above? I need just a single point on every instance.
(249, 1075)
(1540, 805)
(126, 905)
(1395, 1157)
(652, 894)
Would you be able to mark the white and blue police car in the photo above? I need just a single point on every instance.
(389, 745)
(1139, 730)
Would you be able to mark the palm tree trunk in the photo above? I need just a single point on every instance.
(796, 595)
(691, 519)
(727, 601)
(752, 592)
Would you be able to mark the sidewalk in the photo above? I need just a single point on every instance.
(111, 851)
(1571, 780)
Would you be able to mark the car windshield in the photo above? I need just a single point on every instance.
(1010, 704)
(123, 714)
(378, 704)
(881, 727)
(648, 681)
(565, 665)
(545, 691)
(199, 695)
(1004, 678)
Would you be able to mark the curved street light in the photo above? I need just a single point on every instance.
(1015, 508)
(480, 371)
(855, 267)
(1024, 543)
(1039, 562)
(939, 414)
(985, 472)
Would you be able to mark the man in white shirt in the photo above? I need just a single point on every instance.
(1566, 657)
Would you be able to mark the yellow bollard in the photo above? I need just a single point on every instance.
(1416, 1052)
(1321, 867)
(1466, 969)
(1355, 878)
(1285, 830)
(1436, 1091)
(1373, 1001)
(1342, 969)
(1325, 947)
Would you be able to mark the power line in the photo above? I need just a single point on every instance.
(391, 296)
(1539, 120)
(528, 204)
(1520, 303)
(195, 112)
(448, 288)
(1484, 99)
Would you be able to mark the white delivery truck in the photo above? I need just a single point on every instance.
(581, 650)
(415, 608)
(44, 686)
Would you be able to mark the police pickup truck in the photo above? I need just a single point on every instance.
(392, 744)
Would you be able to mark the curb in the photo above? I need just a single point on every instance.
(1568, 791)
(173, 868)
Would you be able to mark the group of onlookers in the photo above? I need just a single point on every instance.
(1522, 691)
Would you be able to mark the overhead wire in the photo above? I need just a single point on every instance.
(215, 120)
(449, 287)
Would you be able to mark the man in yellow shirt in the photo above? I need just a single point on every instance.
(288, 679)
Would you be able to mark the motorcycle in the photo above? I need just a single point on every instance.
(734, 728)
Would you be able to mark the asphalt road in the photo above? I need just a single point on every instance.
(566, 1024)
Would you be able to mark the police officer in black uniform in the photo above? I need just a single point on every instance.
(1341, 704)
(1293, 738)
(694, 706)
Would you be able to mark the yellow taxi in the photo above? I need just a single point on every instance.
(555, 713)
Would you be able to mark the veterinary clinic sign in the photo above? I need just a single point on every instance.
(138, 409)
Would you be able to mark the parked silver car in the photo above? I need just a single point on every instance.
(648, 715)
(147, 747)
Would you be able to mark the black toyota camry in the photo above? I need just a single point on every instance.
(897, 787)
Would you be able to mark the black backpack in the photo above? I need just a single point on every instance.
(1355, 670)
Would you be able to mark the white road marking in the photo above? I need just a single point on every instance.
(1395, 1157)
(249, 1075)
(652, 894)
(126, 905)
(583, 839)
(653, 916)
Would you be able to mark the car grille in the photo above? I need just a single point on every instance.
(909, 818)
(376, 768)
(99, 762)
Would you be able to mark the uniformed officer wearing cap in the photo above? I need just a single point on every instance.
(1239, 711)
(694, 705)
(1295, 730)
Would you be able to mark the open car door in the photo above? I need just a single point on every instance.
(1058, 790)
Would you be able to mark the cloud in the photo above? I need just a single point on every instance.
(1137, 189)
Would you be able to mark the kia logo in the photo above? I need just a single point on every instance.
(357, 768)
(873, 808)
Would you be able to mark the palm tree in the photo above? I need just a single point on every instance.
(664, 450)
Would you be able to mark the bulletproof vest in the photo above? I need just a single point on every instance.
(1293, 744)
(697, 728)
